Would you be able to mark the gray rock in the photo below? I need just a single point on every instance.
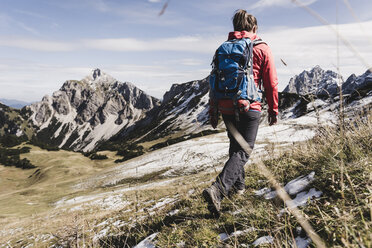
(316, 81)
(354, 83)
(184, 107)
(87, 104)
(325, 83)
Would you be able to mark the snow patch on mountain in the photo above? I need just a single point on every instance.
(103, 132)
(316, 81)
(84, 113)
(96, 78)
(184, 108)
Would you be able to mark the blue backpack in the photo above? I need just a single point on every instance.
(232, 71)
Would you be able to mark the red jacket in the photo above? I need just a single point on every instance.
(263, 69)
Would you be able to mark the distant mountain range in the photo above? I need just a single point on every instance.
(101, 112)
(325, 83)
(14, 103)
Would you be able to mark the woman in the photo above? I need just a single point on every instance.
(231, 179)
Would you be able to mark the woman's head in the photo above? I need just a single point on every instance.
(243, 21)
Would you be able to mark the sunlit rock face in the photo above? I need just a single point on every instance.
(83, 113)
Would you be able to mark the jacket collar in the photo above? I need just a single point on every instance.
(242, 34)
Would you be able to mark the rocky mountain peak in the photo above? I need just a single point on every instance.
(98, 78)
(316, 81)
(84, 112)
(96, 73)
(368, 73)
(357, 83)
(184, 107)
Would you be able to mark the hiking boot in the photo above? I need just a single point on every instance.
(236, 192)
(211, 197)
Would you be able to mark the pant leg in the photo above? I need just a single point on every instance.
(248, 128)
(233, 171)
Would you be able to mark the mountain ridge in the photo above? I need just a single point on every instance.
(316, 81)
(88, 111)
(14, 103)
(99, 112)
(325, 84)
(74, 201)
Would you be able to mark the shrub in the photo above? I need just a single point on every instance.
(10, 157)
(94, 156)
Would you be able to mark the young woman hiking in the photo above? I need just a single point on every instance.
(247, 118)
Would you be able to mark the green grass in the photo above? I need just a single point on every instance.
(342, 216)
(153, 176)
(56, 172)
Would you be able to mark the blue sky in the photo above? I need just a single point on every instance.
(45, 42)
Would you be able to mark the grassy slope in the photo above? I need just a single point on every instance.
(32, 191)
(27, 197)
(342, 216)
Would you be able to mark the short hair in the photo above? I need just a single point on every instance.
(243, 21)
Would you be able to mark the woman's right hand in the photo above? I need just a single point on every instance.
(273, 119)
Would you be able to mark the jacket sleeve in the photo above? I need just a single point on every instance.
(270, 82)
(213, 105)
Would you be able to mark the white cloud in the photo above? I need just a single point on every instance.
(300, 48)
(36, 15)
(7, 21)
(154, 80)
(184, 43)
(37, 44)
(99, 5)
(31, 14)
(27, 28)
(4, 20)
(190, 62)
(83, 5)
(28, 81)
(261, 4)
(303, 48)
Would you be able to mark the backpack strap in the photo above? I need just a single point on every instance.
(250, 47)
(248, 71)
(214, 62)
(255, 43)
(258, 41)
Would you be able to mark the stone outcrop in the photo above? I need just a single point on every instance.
(89, 111)
(316, 81)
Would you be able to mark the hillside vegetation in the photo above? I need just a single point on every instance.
(341, 216)
(174, 215)
(64, 202)
(34, 191)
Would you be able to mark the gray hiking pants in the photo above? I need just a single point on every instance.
(233, 174)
